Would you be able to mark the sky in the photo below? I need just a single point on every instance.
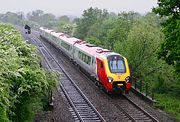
(76, 7)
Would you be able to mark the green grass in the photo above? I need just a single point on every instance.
(168, 103)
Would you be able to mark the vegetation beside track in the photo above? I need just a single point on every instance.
(24, 85)
(168, 103)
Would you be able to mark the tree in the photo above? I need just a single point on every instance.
(64, 18)
(90, 17)
(43, 19)
(65, 25)
(98, 33)
(62, 22)
(47, 20)
(170, 48)
(117, 29)
(107, 29)
(34, 15)
(13, 18)
(140, 48)
(118, 33)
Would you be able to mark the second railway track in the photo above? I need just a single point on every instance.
(131, 109)
(82, 107)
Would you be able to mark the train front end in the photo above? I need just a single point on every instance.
(118, 73)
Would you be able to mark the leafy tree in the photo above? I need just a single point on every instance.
(64, 18)
(108, 31)
(47, 20)
(115, 30)
(170, 48)
(104, 33)
(66, 25)
(94, 40)
(141, 46)
(112, 15)
(141, 49)
(129, 16)
(35, 15)
(43, 19)
(99, 32)
(13, 18)
(90, 17)
(118, 33)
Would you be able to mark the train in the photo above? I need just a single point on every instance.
(109, 69)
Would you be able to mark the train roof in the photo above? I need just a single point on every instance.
(46, 29)
(70, 40)
(82, 45)
(86, 47)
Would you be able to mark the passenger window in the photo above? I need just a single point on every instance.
(92, 61)
(83, 57)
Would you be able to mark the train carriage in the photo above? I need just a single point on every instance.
(66, 46)
(85, 57)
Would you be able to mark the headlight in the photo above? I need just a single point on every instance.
(110, 79)
(128, 79)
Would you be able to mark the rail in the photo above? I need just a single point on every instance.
(83, 108)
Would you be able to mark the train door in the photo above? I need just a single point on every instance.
(101, 71)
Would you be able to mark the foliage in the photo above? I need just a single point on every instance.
(14, 18)
(110, 32)
(93, 40)
(23, 83)
(107, 27)
(65, 25)
(43, 19)
(141, 46)
(90, 17)
(170, 48)
(141, 49)
(18, 19)
(38, 18)
(168, 8)
(168, 103)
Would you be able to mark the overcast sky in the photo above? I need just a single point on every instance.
(76, 7)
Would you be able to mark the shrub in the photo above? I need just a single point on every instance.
(24, 85)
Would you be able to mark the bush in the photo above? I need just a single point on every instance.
(24, 85)
(168, 103)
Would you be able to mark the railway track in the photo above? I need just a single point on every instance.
(131, 109)
(132, 112)
(128, 109)
(82, 108)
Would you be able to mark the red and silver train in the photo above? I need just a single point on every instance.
(110, 69)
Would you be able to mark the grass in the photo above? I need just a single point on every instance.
(168, 103)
